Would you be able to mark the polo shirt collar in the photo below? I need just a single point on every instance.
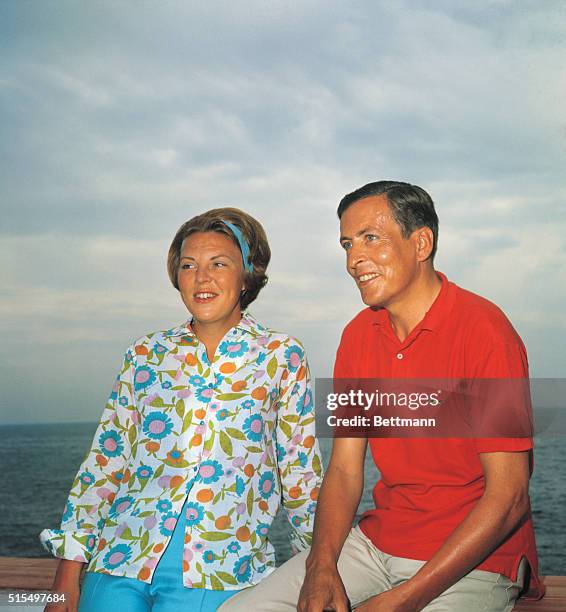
(434, 317)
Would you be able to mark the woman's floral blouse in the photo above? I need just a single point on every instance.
(233, 438)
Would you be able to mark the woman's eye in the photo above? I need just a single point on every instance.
(187, 266)
(219, 264)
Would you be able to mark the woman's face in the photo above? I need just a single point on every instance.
(211, 277)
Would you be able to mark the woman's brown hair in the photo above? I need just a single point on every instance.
(252, 232)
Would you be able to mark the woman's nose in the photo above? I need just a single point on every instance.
(203, 274)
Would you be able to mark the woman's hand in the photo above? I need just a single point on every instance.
(66, 582)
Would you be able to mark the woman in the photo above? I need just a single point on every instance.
(208, 428)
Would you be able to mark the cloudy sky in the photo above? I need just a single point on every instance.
(121, 120)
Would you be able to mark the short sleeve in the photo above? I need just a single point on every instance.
(502, 372)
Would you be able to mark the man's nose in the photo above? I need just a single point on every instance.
(356, 255)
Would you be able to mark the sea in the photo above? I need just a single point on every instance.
(39, 462)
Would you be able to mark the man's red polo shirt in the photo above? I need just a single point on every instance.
(428, 486)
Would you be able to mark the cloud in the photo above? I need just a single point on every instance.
(119, 125)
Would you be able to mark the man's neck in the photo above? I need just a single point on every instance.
(407, 313)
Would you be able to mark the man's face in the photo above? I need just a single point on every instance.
(381, 261)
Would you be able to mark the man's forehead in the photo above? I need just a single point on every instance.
(368, 212)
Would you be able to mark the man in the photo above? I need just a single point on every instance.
(451, 529)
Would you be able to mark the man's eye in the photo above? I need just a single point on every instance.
(346, 245)
(219, 264)
(371, 237)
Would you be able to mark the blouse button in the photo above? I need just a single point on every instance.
(399, 355)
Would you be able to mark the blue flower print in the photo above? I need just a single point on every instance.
(296, 521)
(157, 425)
(208, 556)
(311, 509)
(111, 443)
(304, 405)
(243, 569)
(262, 530)
(50, 547)
(194, 513)
(144, 377)
(281, 452)
(144, 472)
(166, 385)
(261, 358)
(266, 484)
(253, 427)
(87, 478)
(90, 542)
(210, 471)
(248, 404)
(222, 414)
(120, 505)
(123, 400)
(240, 485)
(197, 381)
(69, 508)
(233, 547)
(159, 348)
(116, 556)
(204, 394)
(164, 505)
(273, 394)
(294, 355)
(190, 483)
(168, 522)
(303, 459)
(233, 349)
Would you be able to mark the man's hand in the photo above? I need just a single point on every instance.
(323, 590)
(339, 497)
(388, 601)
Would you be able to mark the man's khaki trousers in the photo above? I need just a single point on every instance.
(367, 571)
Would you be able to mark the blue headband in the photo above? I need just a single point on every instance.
(248, 267)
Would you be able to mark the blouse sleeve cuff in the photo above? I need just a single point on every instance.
(73, 545)
(300, 540)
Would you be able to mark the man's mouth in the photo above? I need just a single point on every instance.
(202, 297)
(366, 278)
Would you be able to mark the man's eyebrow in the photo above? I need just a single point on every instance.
(363, 231)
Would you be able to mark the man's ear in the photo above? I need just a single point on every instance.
(424, 242)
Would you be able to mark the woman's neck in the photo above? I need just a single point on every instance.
(211, 333)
